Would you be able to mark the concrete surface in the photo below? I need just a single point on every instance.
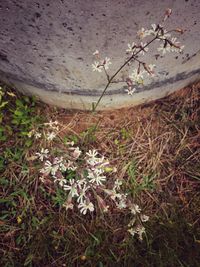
(46, 48)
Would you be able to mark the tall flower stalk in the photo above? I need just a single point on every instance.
(168, 44)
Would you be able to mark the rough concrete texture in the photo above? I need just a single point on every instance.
(46, 48)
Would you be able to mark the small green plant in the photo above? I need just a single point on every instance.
(145, 183)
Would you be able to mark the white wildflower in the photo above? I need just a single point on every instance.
(176, 46)
(132, 222)
(107, 62)
(62, 181)
(68, 205)
(96, 66)
(37, 135)
(131, 48)
(52, 124)
(81, 182)
(42, 154)
(150, 71)
(41, 178)
(144, 218)
(58, 160)
(164, 35)
(51, 136)
(114, 195)
(154, 29)
(164, 49)
(76, 153)
(86, 206)
(96, 176)
(91, 157)
(142, 33)
(132, 231)
(49, 168)
(96, 53)
(62, 166)
(71, 187)
(130, 91)
(82, 192)
(72, 168)
(137, 230)
(135, 209)
(92, 154)
(140, 231)
(144, 48)
(136, 77)
(117, 184)
(121, 205)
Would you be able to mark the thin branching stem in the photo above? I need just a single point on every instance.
(122, 66)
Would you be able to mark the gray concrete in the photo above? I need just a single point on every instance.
(46, 48)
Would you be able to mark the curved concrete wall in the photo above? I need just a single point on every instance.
(46, 48)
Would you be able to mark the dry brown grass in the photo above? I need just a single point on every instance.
(162, 138)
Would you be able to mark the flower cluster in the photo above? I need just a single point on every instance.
(50, 130)
(100, 64)
(167, 43)
(84, 178)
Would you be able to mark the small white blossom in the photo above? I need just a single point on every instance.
(51, 136)
(96, 176)
(154, 29)
(76, 153)
(91, 157)
(52, 124)
(92, 154)
(37, 135)
(136, 77)
(49, 168)
(164, 35)
(132, 222)
(151, 70)
(107, 62)
(117, 184)
(70, 165)
(81, 182)
(144, 49)
(130, 91)
(96, 53)
(62, 167)
(114, 195)
(86, 206)
(121, 205)
(135, 209)
(82, 192)
(96, 66)
(163, 49)
(137, 230)
(143, 33)
(131, 48)
(71, 187)
(177, 47)
(140, 231)
(68, 205)
(132, 231)
(144, 218)
(41, 178)
(62, 181)
(43, 154)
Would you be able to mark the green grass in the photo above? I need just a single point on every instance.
(156, 152)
